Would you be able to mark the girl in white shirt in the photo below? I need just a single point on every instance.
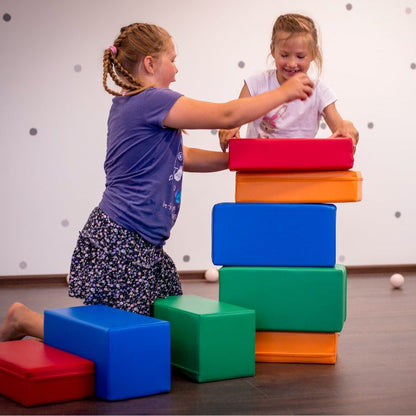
(294, 47)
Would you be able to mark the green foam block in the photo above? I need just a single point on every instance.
(210, 340)
(288, 298)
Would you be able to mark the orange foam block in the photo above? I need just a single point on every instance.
(299, 187)
(283, 154)
(296, 347)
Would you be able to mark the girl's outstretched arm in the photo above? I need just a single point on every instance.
(188, 113)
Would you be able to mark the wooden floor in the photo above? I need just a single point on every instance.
(375, 371)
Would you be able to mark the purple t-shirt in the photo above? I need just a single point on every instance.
(144, 165)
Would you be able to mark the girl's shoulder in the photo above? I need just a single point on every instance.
(322, 89)
(159, 92)
(320, 84)
(264, 75)
(262, 81)
(150, 97)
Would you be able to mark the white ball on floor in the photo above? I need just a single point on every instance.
(212, 275)
(397, 280)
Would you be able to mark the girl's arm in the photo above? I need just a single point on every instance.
(226, 135)
(187, 113)
(199, 160)
(339, 126)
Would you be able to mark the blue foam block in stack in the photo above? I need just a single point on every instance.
(272, 234)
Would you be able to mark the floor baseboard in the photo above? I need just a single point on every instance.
(199, 275)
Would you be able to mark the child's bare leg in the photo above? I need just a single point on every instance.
(20, 322)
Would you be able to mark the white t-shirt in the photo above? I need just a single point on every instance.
(298, 119)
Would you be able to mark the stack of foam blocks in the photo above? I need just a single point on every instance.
(277, 243)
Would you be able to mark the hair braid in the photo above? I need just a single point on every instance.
(133, 44)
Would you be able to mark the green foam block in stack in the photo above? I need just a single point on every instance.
(288, 298)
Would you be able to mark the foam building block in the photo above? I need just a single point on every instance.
(32, 373)
(290, 154)
(288, 298)
(211, 340)
(296, 347)
(263, 234)
(299, 187)
(131, 351)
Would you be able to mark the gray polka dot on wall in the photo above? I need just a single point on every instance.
(23, 265)
(397, 214)
(241, 64)
(370, 125)
(348, 6)
(33, 131)
(186, 258)
(413, 65)
(7, 17)
(77, 68)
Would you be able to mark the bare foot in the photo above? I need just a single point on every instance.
(21, 321)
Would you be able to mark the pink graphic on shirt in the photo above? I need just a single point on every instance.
(268, 126)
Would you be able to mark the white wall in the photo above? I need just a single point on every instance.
(50, 80)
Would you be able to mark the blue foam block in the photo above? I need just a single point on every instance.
(131, 351)
(263, 234)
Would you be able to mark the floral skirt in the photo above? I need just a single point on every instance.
(117, 267)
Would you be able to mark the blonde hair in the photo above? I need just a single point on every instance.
(296, 24)
(121, 60)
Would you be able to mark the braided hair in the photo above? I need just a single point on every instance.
(121, 60)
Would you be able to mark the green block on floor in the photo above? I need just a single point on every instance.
(310, 299)
(210, 340)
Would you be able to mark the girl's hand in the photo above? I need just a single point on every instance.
(347, 129)
(226, 135)
(298, 87)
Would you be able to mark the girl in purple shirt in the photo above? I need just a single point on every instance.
(119, 258)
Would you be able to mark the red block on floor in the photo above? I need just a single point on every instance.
(33, 373)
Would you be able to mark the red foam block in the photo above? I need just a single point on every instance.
(300, 154)
(33, 373)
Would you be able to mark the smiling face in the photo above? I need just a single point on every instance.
(292, 54)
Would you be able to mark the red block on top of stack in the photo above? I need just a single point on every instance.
(291, 154)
